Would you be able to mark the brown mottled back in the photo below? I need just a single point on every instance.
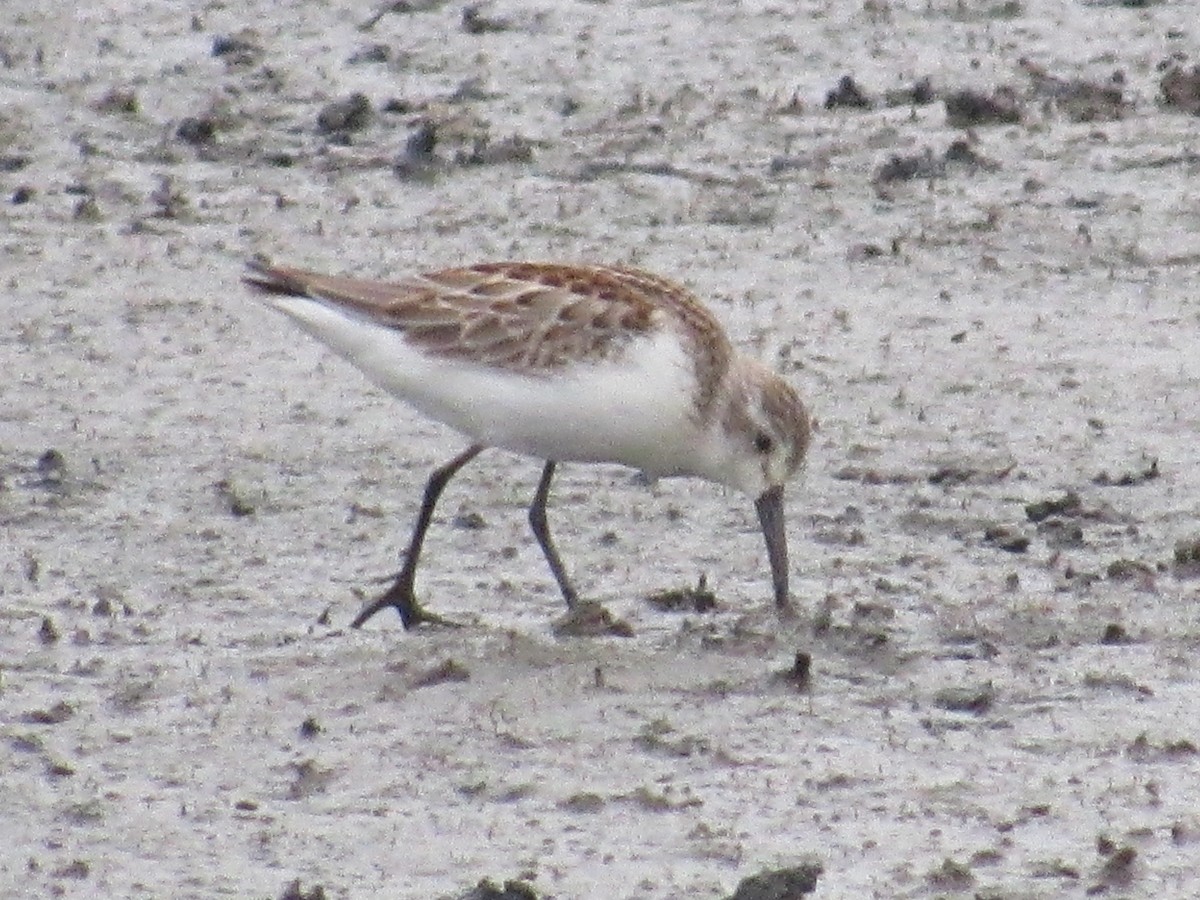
(522, 317)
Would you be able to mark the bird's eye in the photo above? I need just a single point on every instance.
(763, 443)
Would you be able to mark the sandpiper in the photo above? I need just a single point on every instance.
(565, 363)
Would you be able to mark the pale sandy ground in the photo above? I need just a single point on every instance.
(1023, 330)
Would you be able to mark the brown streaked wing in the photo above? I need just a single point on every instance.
(520, 316)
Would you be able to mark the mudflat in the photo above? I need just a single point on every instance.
(968, 234)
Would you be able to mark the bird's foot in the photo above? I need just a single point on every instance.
(412, 613)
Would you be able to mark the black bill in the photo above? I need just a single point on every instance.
(770, 516)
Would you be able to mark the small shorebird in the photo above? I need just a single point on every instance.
(574, 363)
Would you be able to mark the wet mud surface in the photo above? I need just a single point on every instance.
(969, 234)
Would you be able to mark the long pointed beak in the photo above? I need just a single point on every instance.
(770, 515)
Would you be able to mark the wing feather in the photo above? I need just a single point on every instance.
(528, 317)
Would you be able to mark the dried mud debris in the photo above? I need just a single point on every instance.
(1180, 89)
(447, 670)
(309, 778)
(370, 53)
(969, 472)
(196, 130)
(475, 21)
(788, 883)
(1142, 749)
(1115, 634)
(399, 7)
(1186, 557)
(1061, 533)
(970, 108)
(51, 468)
(975, 699)
(1006, 537)
(698, 599)
(118, 101)
(847, 95)
(951, 875)
(1131, 478)
(485, 150)
(590, 619)
(239, 50)
(912, 166)
(1078, 99)
(1129, 570)
(233, 499)
(14, 162)
(1118, 869)
(466, 145)
(659, 736)
(921, 93)
(486, 889)
(583, 803)
(345, 115)
(294, 891)
(418, 160)
(799, 674)
(55, 715)
(1067, 505)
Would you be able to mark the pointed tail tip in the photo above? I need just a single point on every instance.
(263, 275)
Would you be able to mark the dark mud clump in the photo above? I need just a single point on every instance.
(590, 619)
(698, 599)
(511, 890)
(1069, 505)
(295, 892)
(1181, 90)
(351, 113)
(847, 95)
(780, 884)
(967, 108)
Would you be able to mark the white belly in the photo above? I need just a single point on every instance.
(636, 409)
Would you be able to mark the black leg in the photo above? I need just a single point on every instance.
(537, 521)
(400, 594)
